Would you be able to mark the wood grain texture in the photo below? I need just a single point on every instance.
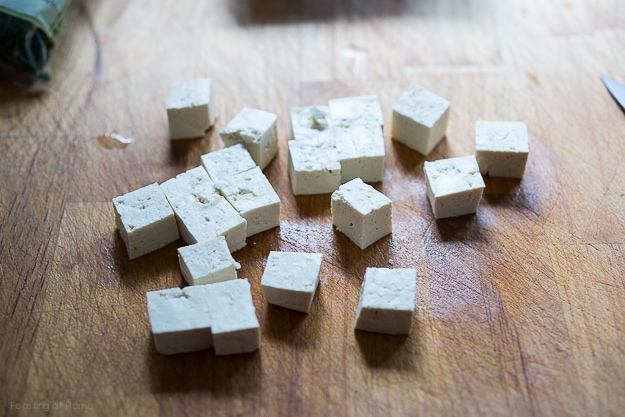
(520, 309)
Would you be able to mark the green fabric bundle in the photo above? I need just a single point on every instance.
(27, 29)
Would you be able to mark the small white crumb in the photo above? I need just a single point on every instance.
(391, 262)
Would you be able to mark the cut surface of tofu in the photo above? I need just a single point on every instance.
(207, 262)
(361, 212)
(235, 326)
(251, 194)
(501, 148)
(145, 220)
(361, 153)
(310, 123)
(356, 111)
(203, 214)
(190, 108)
(226, 162)
(387, 301)
(314, 167)
(454, 186)
(290, 279)
(180, 320)
(420, 119)
(256, 130)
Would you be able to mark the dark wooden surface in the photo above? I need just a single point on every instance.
(520, 309)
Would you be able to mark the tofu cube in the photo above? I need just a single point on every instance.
(251, 194)
(202, 214)
(361, 153)
(501, 148)
(356, 111)
(145, 220)
(387, 301)
(226, 162)
(454, 186)
(235, 326)
(420, 119)
(190, 108)
(314, 167)
(256, 130)
(361, 212)
(310, 123)
(291, 278)
(180, 320)
(207, 262)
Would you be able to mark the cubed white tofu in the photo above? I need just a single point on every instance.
(361, 153)
(290, 279)
(145, 220)
(251, 194)
(202, 213)
(180, 320)
(207, 262)
(420, 119)
(356, 111)
(501, 148)
(314, 167)
(310, 123)
(387, 301)
(361, 212)
(454, 186)
(234, 323)
(227, 162)
(256, 130)
(190, 108)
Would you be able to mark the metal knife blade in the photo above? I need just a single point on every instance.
(616, 89)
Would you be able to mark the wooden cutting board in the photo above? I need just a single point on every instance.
(520, 308)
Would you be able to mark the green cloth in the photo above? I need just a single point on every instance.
(27, 29)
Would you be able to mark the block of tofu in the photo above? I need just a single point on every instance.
(145, 220)
(361, 152)
(234, 323)
(190, 108)
(420, 119)
(207, 262)
(501, 148)
(291, 278)
(361, 212)
(251, 194)
(256, 130)
(454, 186)
(226, 162)
(180, 320)
(356, 111)
(202, 213)
(314, 167)
(310, 123)
(387, 301)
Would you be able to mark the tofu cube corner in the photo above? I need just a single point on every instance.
(290, 279)
(145, 220)
(190, 108)
(361, 212)
(454, 186)
(387, 301)
(207, 262)
(420, 119)
(501, 148)
(256, 130)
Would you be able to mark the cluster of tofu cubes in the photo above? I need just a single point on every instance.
(214, 208)
(334, 149)
(334, 144)
(216, 199)
(455, 185)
